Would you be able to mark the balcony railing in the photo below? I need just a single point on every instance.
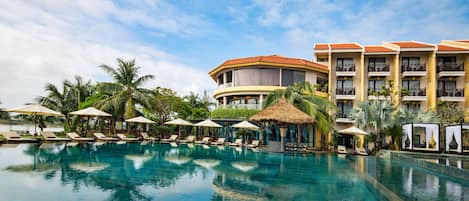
(345, 91)
(414, 92)
(226, 85)
(450, 93)
(374, 92)
(243, 106)
(416, 67)
(378, 68)
(342, 115)
(345, 68)
(450, 67)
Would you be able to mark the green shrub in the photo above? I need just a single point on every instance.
(230, 113)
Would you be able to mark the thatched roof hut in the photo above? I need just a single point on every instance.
(282, 112)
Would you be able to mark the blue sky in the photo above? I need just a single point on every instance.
(180, 41)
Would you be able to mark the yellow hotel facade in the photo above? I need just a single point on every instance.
(348, 73)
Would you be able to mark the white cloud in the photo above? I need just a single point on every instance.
(55, 40)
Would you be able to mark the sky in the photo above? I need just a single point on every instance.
(179, 42)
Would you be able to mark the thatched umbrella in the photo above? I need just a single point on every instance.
(282, 113)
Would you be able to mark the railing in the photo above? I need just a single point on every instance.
(345, 91)
(373, 92)
(450, 67)
(378, 68)
(345, 68)
(342, 115)
(243, 106)
(450, 93)
(414, 92)
(226, 85)
(416, 67)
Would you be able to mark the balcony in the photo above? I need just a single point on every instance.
(381, 70)
(450, 94)
(414, 70)
(345, 70)
(243, 106)
(225, 85)
(343, 118)
(373, 94)
(414, 94)
(345, 93)
(450, 70)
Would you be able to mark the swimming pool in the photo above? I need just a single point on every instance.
(136, 171)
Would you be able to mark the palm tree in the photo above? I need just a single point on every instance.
(81, 89)
(60, 99)
(126, 91)
(193, 99)
(302, 95)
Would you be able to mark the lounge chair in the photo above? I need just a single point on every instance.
(189, 139)
(50, 136)
(173, 138)
(125, 138)
(205, 140)
(361, 151)
(238, 142)
(146, 137)
(254, 144)
(15, 137)
(75, 137)
(220, 141)
(341, 149)
(102, 137)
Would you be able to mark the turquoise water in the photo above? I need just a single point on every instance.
(161, 172)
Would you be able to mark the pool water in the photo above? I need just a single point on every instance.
(135, 171)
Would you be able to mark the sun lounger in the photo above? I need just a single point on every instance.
(50, 136)
(362, 151)
(102, 137)
(15, 137)
(254, 144)
(238, 142)
(341, 149)
(189, 139)
(220, 141)
(75, 137)
(173, 138)
(146, 137)
(125, 138)
(205, 140)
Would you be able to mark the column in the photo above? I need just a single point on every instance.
(261, 101)
(361, 73)
(396, 71)
(466, 88)
(224, 101)
(431, 81)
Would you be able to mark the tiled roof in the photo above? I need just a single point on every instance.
(378, 48)
(345, 46)
(450, 48)
(272, 59)
(412, 44)
(321, 46)
(463, 41)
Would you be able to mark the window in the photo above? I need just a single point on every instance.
(411, 84)
(344, 109)
(229, 76)
(257, 76)
(322, 59)
(446, 60)
(292, 76)
(410, 61)
(220, 79)
(376, 62)
(344, 84)
(415, 107)
(447, 85)
(375, 85)
(344, 62)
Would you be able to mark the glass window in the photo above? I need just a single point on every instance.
(446, 60)
(344, 62)
(229, 76)
(220, 79)
(411, 84)
(344, 107)
(378, 61)
(344, 84)
(257, 76)
(292, 76)
(447, 85)
(376, 85)
(410, 61)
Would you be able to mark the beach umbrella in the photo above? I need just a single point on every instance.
(90, 112)
(35, 110)
(245, 125)
(208, 124)
(179, 122)
(353, 131)
(141, 120)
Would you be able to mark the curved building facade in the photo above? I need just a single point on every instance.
(245, 82)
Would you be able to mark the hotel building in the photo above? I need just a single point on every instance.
(422, 74)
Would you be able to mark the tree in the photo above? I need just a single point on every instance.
(165, 104)
(302, 95)
(450, 112)
(126, 91)
(3, 114)
(199, 106)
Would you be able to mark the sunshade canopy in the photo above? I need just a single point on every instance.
(245, 125)
(35, 109)
(282, 112)
(141, 120)
(353, 131)
(208, 123)
(180, 122)
(90, 111)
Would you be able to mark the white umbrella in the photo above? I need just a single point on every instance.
(245, 125)
(353, 131)
(90, 111)
(35, 109)
(179, 122)
(141, 120)
(208, 123)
